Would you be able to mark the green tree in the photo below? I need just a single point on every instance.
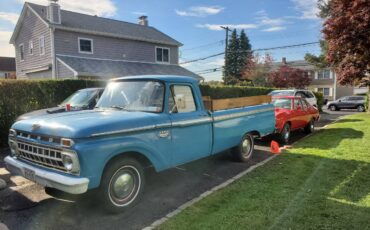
(238, 56)
(245, 55)
(231, 60)
(320, 60)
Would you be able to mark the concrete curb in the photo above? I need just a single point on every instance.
(207, 193)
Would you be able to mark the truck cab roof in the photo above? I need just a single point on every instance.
(165, 78)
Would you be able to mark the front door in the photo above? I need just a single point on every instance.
(191, 126)
(299, 114)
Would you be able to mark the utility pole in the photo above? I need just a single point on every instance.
(227, 29)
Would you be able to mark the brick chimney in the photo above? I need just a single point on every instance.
(283, 60)
(53, 12)
(143, 20)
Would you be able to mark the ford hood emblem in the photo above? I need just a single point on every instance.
(35, 126)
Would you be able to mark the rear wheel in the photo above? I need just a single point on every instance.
(121, 185)
(333, 108)
(310, 127)
(361, 108)
(285, 134)
(244, 151)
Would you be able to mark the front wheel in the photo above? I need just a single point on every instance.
(360, 108)
(121, 185)
(244, 151)
(310, 127)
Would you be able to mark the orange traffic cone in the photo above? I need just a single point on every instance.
(275, 148)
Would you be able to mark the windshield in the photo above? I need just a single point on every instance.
(144, 96)
(282, 93)
(80, 98)
(283, 103)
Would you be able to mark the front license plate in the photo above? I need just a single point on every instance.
(29, 174)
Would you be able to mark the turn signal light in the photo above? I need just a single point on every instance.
(66, 142)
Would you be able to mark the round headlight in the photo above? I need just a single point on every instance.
(67, 162)
(13, 148)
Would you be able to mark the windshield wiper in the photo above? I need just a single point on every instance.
(118, 107)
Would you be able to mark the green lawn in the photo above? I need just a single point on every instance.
(323, 183)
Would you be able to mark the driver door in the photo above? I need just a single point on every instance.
(191, 126)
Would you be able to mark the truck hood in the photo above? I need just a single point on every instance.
(85, 123)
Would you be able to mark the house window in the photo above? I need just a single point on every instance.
(162, 54)
(324, 91)
(42, 45)
(85, 45)
(30, 47)
(21, 52)
(323, 74)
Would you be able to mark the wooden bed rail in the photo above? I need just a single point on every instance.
(231, 103)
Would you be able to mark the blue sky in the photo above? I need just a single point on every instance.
(268, 23)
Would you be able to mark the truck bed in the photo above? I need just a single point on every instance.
(230, 123)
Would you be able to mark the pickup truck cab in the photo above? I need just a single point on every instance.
(157, 121)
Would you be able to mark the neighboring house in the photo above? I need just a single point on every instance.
(57, 44)
(323, 80)
(7, 68)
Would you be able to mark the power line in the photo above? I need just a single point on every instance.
(209, 70)
(261, 49)
(220, 42)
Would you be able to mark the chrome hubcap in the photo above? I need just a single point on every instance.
(246, 147)
(286, 133)
(123, 185)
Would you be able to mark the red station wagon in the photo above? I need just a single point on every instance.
(293, 113)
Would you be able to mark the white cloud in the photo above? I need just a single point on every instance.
(274, 29)
(308, 8)
(264, 20)
(6, 49)
(200, 11)
(11, 17)
(217, 27)
(104, 8)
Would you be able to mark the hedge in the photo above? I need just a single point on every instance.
(320, 100)
(219, 92)
(21, 96)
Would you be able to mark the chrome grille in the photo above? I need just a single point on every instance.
(51, 158)
(38, 137)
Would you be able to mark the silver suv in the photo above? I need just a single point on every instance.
(307, 94)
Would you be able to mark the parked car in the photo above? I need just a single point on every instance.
(139, 121)
(293, 113)
(303, 93)
(80, 100)
(349, 102)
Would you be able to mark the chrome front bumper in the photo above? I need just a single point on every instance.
(48, 179)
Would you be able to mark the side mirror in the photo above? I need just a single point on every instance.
(339, 100)
(299, 107)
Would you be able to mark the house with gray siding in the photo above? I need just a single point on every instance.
(58, 44)
(322, 80)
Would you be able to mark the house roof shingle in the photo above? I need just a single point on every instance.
(112, 69)
(7, 64)
(84, 22)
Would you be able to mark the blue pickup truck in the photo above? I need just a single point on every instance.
(140, 121)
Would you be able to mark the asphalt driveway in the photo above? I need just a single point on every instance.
(26, 206)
